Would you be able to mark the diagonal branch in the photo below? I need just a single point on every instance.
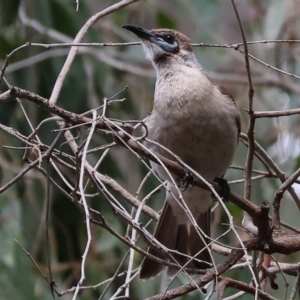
(90, 22)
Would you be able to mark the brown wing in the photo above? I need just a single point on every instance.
(225, 92)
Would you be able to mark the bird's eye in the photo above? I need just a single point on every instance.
(169, 38)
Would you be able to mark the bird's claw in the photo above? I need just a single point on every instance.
(186, 181)
(225, 189)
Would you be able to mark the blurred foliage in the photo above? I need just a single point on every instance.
(102, 72)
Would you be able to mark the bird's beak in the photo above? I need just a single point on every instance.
(142, 33)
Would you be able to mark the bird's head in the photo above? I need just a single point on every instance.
(165, 46)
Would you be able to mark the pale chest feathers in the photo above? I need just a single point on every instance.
(188, 103)
(178, 92)
(195, 121)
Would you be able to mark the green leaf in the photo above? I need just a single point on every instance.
(8, 12)
(165, 21)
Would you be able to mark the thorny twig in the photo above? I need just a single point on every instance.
(264, 239)
(175, 167)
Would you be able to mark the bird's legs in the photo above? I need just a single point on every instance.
(225, 189)
(187, 180)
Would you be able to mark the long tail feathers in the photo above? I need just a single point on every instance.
(165, 233)
(197, 243)
(181, 238)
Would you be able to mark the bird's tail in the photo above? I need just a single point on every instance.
(182, 238)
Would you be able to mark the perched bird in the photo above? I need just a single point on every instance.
(198, 122)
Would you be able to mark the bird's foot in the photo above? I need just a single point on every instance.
(225, 189)
(186, 181)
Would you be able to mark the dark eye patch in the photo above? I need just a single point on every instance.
(169, 38)
(167, 42)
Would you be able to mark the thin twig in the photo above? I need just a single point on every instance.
(85, 206)
(48, 249)
(63, 73)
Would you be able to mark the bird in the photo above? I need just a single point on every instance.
(200, 123)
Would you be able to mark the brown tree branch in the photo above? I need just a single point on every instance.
(234, 256)
(258, 214)
(241, 286)
(276, 114)
(53, 109)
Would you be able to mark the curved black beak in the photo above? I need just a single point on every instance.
(141, 32)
